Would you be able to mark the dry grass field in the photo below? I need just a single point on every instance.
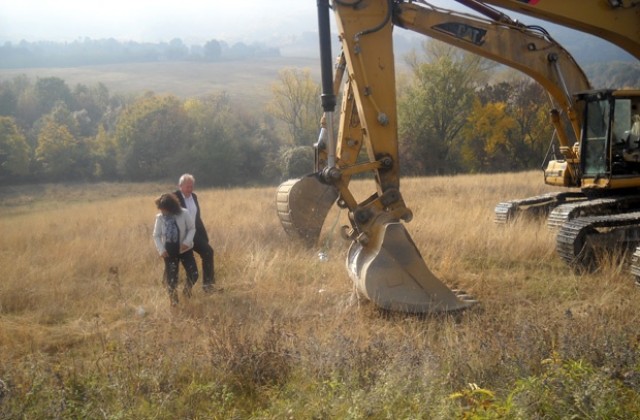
(86, 329)
(246, 81)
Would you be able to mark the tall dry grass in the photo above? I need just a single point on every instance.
(86, 329)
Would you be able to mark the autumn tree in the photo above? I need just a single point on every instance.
(297, 161)
(508, 129)
(435, 105)
(485, 145)
(152, 136)
(104, 155)
(49, 91)
(61, 114)
(177, 50)
(92, 102)
(27, 107)
(529, 106)
(14, 150)
(216, 152)
(296, 103)
(58, 154)
(212, 50)
(8, 100)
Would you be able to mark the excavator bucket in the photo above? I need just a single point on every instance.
(390, 272)
(303, 205)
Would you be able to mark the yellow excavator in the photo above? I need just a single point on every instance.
(602, 218)
(383, 261)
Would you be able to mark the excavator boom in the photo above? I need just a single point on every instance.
(529, 50)
(617, 21)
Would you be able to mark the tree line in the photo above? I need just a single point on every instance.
(452, 119)
(111, 51)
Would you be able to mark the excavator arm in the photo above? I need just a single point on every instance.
(617, 21)
(383, 261)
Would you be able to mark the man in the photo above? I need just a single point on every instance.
(189, 200)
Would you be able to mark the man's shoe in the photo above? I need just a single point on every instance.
(173, 297)
(210, 289)
(187, 291)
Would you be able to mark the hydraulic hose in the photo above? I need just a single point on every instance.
(328, 97)
(326, 59)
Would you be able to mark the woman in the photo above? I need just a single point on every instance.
(173, 235)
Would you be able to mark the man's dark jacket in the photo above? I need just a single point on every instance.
(201, 232)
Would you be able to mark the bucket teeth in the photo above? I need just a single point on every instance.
(464, 296)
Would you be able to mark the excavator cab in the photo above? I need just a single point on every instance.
(610, 144)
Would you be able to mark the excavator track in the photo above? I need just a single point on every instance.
(635, 266)
(563, 213)
(536, 206)
(581, 241)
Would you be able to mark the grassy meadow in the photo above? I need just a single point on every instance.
(246, 81)
(87, 331)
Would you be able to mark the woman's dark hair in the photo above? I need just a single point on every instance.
(169, 202)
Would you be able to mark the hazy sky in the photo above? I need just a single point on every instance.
(193, 21)
(154, 20)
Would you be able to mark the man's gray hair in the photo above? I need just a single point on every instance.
(186, 177)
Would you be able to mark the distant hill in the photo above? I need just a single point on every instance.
(248, 80)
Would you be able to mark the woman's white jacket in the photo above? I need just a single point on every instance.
(187, 227)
